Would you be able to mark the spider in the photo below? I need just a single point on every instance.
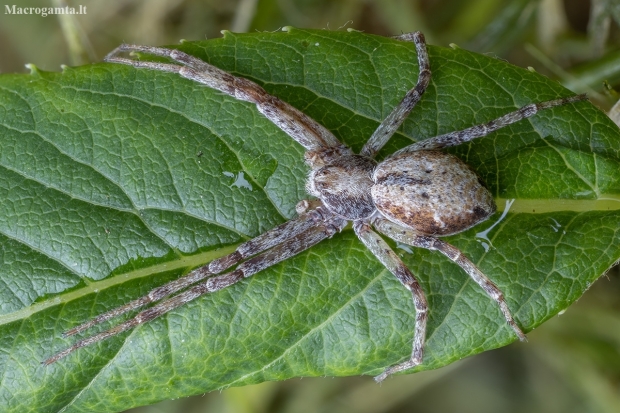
(415, 196)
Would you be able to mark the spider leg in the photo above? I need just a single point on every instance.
(281, 252)
(466, 135)
(393, 121)
(305, 130)
(393, 263)
(409, 237)
(249, 248)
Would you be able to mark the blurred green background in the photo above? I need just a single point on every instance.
(571, 363)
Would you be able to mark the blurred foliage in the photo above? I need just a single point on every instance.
(572, 363)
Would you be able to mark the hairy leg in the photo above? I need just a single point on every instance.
(305, 130)
(409, 237)
(384, 253)
(478, 131)
(252, 247)
(393, 121)
(253, 265)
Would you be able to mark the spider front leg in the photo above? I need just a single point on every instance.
(310, 134)
(249, 248)
(409, 237)
(393, 263)
(281, 252)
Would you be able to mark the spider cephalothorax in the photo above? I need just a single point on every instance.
(344, 186)
(414, 196)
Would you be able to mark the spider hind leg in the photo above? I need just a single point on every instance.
(477, 131)
(409, 237)
(393, 263)
(385, 254)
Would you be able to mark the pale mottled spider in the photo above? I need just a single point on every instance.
(415, 196)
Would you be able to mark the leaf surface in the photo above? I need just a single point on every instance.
(114, 180)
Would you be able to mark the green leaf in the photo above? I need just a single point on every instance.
(114, 180)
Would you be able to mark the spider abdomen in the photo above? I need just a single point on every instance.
(432, 192)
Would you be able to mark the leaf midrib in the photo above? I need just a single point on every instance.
(184, 262)
(609, 202)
